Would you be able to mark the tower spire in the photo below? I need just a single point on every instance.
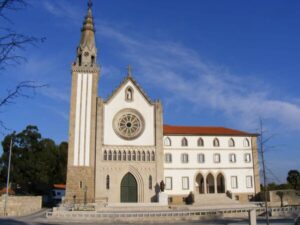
(87, 51)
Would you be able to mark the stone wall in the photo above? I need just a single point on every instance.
(20, 205)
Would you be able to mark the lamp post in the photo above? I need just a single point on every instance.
(8, 174)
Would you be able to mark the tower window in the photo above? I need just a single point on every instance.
(107, 182)
(124, 156)
(129, 94)
(148, 156)
(115, 155)
(109, 155)
(139, 156)
(105, 155)
(92, 60)
(150, 182)
(153, 156)
(119, 156)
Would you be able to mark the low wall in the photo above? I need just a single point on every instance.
(20, 205)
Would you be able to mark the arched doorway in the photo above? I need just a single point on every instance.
(200, 184)
(210, 184)
(129, 188)
(220, 183)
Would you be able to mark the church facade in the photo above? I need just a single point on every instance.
(120, 150)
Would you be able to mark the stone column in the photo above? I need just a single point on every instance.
(215, 186)
(204, 184)
(252, 216)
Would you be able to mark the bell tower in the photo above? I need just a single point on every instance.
(82, 124)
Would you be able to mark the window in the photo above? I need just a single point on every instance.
(249, 182)
(201, 158)
(168, 158)
(217, 158)
(148, 156)
(124, 156)
(232, 158)
(167, 141)
(109, 155)
(184, 142)
(150, 182)
(246, 142)
(200, 142)
(129, 156)
(143, 156)
(105, 155)
(184, 158)
(115, 155)
(216, 142)
(185, 183)
(107, 182)
(234, 182)
(247, 158)
(139, 156)
(80, 184)
(133, 156)
(119, 156)
(231, 143)
(152, 156)
(129, 94)
(168, 182)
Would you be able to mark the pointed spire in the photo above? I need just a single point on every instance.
(129, 70)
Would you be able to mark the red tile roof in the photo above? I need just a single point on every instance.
(193, 130)
(59, 186)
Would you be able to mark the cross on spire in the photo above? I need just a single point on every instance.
(129, 70)
(90, 4)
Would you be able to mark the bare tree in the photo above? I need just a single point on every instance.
(11, 45)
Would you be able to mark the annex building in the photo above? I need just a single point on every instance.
(120, 149)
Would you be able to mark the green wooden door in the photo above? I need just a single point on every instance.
(128, 188)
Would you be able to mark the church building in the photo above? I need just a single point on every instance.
(120, 150)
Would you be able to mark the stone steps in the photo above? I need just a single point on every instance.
(214, 199)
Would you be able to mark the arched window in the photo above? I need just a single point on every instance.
(124, 156)
(148, 156)
(129, 94)
(119, 155)
(133, 156)
(115, 155)
(200, 142)
(105, 155)
(139, 156)
(216, 142)
(129, 156)
(167, 141)
(143, 156)
(109, 155)
(150, 182)
(184, 142)
(107, 182)
(246, 142)
(153, 156)
(231, 143)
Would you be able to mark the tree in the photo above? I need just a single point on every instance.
(11, 42)
(293, 178)
(37, 163)
(280, 194)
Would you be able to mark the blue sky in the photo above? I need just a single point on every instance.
(219, 63)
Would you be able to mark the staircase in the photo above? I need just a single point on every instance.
(213, 199)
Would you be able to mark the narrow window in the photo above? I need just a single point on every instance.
(184, 142)
(107, 182)
(246, 142)
(185, 183)
(124, 156)
(232, 158)
(148, 156)
(115, 155)
(129, 156)
(150, 182)
(201, 158)
(234, 182)
(129, 94)
(216, 142)
(139, 156)
(200, 142)
(80, 184)
(133, 156)
(247, 158)
(109, 155)
(168, 158)
(143, 156)
(184, 158)
(217, 158)
(92, 60)
(119, 155)
(167, 141)
(249, 183)
(105, 155)
(231, 143)
(153, 156)
(168, 182)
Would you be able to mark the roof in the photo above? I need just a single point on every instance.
(59, 186)
(10, 191)
(197, 130)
